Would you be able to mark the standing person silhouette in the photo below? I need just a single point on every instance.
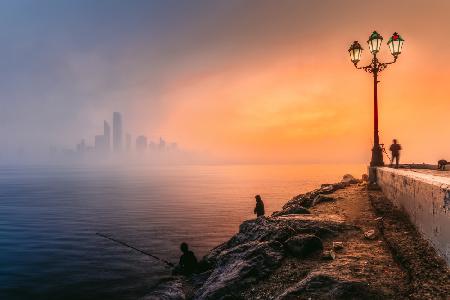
(395, 150)
(259, 208)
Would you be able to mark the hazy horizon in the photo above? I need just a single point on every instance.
(235, 81)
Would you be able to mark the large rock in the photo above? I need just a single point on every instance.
(280, 229)
(304, 200)
(261, 229)
(303, 245)
(322, 198)
(323, 286)
(370, 234)
(350, 179)
(239, 266)
(307, 200)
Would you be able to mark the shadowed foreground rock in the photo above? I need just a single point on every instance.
(322, 286)
(303, 245)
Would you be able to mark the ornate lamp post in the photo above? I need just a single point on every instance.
(395, 44)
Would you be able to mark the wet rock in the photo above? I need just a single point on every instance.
(303, 245)
(327, 189)
(323, 286)
(322, 198)
(338, 246)
(261, 229)
(239, 266)
(370, 234)
(328, 255)
(304, 200)
(167, 290)
(294, 209)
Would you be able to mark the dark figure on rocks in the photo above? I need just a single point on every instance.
(259, 208)
(188, 262)
(395, 150)
(441, 164)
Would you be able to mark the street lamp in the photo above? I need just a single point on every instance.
(395, 44)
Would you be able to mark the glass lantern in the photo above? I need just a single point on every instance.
(355, 52)
(395, 44)
(374, 42)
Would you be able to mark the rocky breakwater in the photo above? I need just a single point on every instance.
(291, 240)
(341, 241)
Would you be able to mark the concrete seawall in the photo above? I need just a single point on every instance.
(425, 197)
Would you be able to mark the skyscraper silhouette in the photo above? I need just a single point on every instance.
(141, 143)
(107, 135)
(117, 131)
(128, 142)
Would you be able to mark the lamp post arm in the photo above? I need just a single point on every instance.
(375, 65)
(382, 66)
(367, 68)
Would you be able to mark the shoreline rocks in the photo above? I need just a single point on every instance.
(259, 248)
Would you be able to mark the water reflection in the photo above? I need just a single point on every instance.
(49, 216)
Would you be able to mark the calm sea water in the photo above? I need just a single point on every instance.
(49, 217)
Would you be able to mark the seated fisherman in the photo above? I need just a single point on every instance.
(188, 262)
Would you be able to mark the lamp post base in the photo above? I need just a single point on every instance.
(377, 156)
(377, 161)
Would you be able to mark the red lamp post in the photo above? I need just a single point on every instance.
(395, 44)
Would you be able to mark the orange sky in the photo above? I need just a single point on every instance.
(246, 81)
(301, 99)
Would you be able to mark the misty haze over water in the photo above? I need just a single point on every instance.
(49, 217)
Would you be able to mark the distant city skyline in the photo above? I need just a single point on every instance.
(102, 145)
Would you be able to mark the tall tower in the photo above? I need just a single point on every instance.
(128, 142)
(107, 135)
(117, 131)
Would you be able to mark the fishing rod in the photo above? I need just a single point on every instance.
(134, 248)
(384, 150)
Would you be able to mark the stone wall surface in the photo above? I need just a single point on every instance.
(426, 200)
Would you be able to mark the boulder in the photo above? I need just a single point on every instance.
(324, 286)
(261, 229)
(239, 266)
(370, 234)
(328, 255)
(303, 245)
(322, 198)
(328, 189)
(304, 200)
(350, 179)
(338, 246)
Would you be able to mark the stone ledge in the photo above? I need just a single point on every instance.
(424, 195)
